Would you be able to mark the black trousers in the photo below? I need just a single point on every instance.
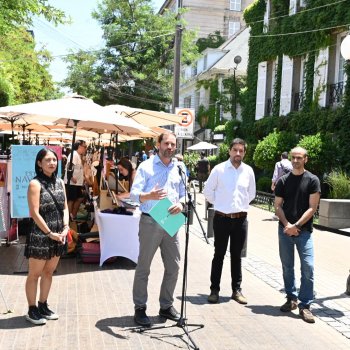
(224, 229)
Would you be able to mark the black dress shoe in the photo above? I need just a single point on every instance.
(170, 313)
(141, 318)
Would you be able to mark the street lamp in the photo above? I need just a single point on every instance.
(237, 61)
(345, 48)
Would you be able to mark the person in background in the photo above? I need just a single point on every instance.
(46, 240)
(125, 168)
(150, 153)
(230, 188)
(144, 156)
(74, 190)
(297, 195)
(282, 167)
(157, 178)
(203, 170)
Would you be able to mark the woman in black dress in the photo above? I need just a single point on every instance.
(47, 238)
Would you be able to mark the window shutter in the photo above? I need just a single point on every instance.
(286, 85)
(267, 16)
(321, 76)
(261, 91)
(292, 7)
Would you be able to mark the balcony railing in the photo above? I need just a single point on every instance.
(336, 92)
(298, 101)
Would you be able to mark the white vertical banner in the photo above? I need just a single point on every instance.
(185, 128)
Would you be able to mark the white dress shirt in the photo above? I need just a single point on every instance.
(230, 190)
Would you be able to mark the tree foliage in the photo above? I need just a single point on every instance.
(24, 71)
(16, 13)
(134, 67)
(268, 150)
(213, 40)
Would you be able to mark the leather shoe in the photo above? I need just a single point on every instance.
(239, 297)
(141, 318)
(213, 297)
(170, 313)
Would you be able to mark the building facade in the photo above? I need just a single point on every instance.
(208, 16)
(328, 78)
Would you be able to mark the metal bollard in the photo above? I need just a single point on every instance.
(210, 230)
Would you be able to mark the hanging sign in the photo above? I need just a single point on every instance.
(185, 128)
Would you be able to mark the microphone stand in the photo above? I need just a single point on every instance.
(182, 321)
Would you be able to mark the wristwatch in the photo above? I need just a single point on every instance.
(298, 226)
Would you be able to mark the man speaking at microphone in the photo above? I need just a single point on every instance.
(157, 178)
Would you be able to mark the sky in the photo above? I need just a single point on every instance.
(83, 34)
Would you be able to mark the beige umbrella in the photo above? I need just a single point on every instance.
(72, 111)
(146, 117)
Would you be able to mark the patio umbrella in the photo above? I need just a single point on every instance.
(201, 145)
(72, 111)
(145, 116)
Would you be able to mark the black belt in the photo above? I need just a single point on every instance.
(146, 214)
(241, 214)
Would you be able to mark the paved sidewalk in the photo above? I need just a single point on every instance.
(96, 310)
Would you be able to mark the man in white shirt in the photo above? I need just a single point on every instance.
(230, 188)
(75, 189)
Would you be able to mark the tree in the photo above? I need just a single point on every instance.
(15, 13)
(24, 71)
(134, 66)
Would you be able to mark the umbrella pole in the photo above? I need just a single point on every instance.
(115, 167)
(70, 165)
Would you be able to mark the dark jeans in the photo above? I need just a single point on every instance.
(202, 177)
(236, 230)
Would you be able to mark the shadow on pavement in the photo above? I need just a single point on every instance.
(270, 311)
(201, 299)
(17, 322)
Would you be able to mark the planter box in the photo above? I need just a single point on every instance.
(334, 213)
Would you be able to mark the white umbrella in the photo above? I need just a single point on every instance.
(202, 145)
(73, 111)
(145, 116)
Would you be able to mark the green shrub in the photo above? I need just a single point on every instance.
(321, 151)
(268, 150)
(190, 160)
(264, 184)
(339, 183)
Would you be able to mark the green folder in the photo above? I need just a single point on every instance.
(169, 222)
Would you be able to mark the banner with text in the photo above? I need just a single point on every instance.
(23, 170)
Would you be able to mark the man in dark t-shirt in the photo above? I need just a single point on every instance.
(203, 169)
(297, 195)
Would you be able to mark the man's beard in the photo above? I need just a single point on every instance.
(167, 154)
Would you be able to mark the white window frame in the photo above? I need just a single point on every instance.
(188, 101)
(232, 25)
(235, 5)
